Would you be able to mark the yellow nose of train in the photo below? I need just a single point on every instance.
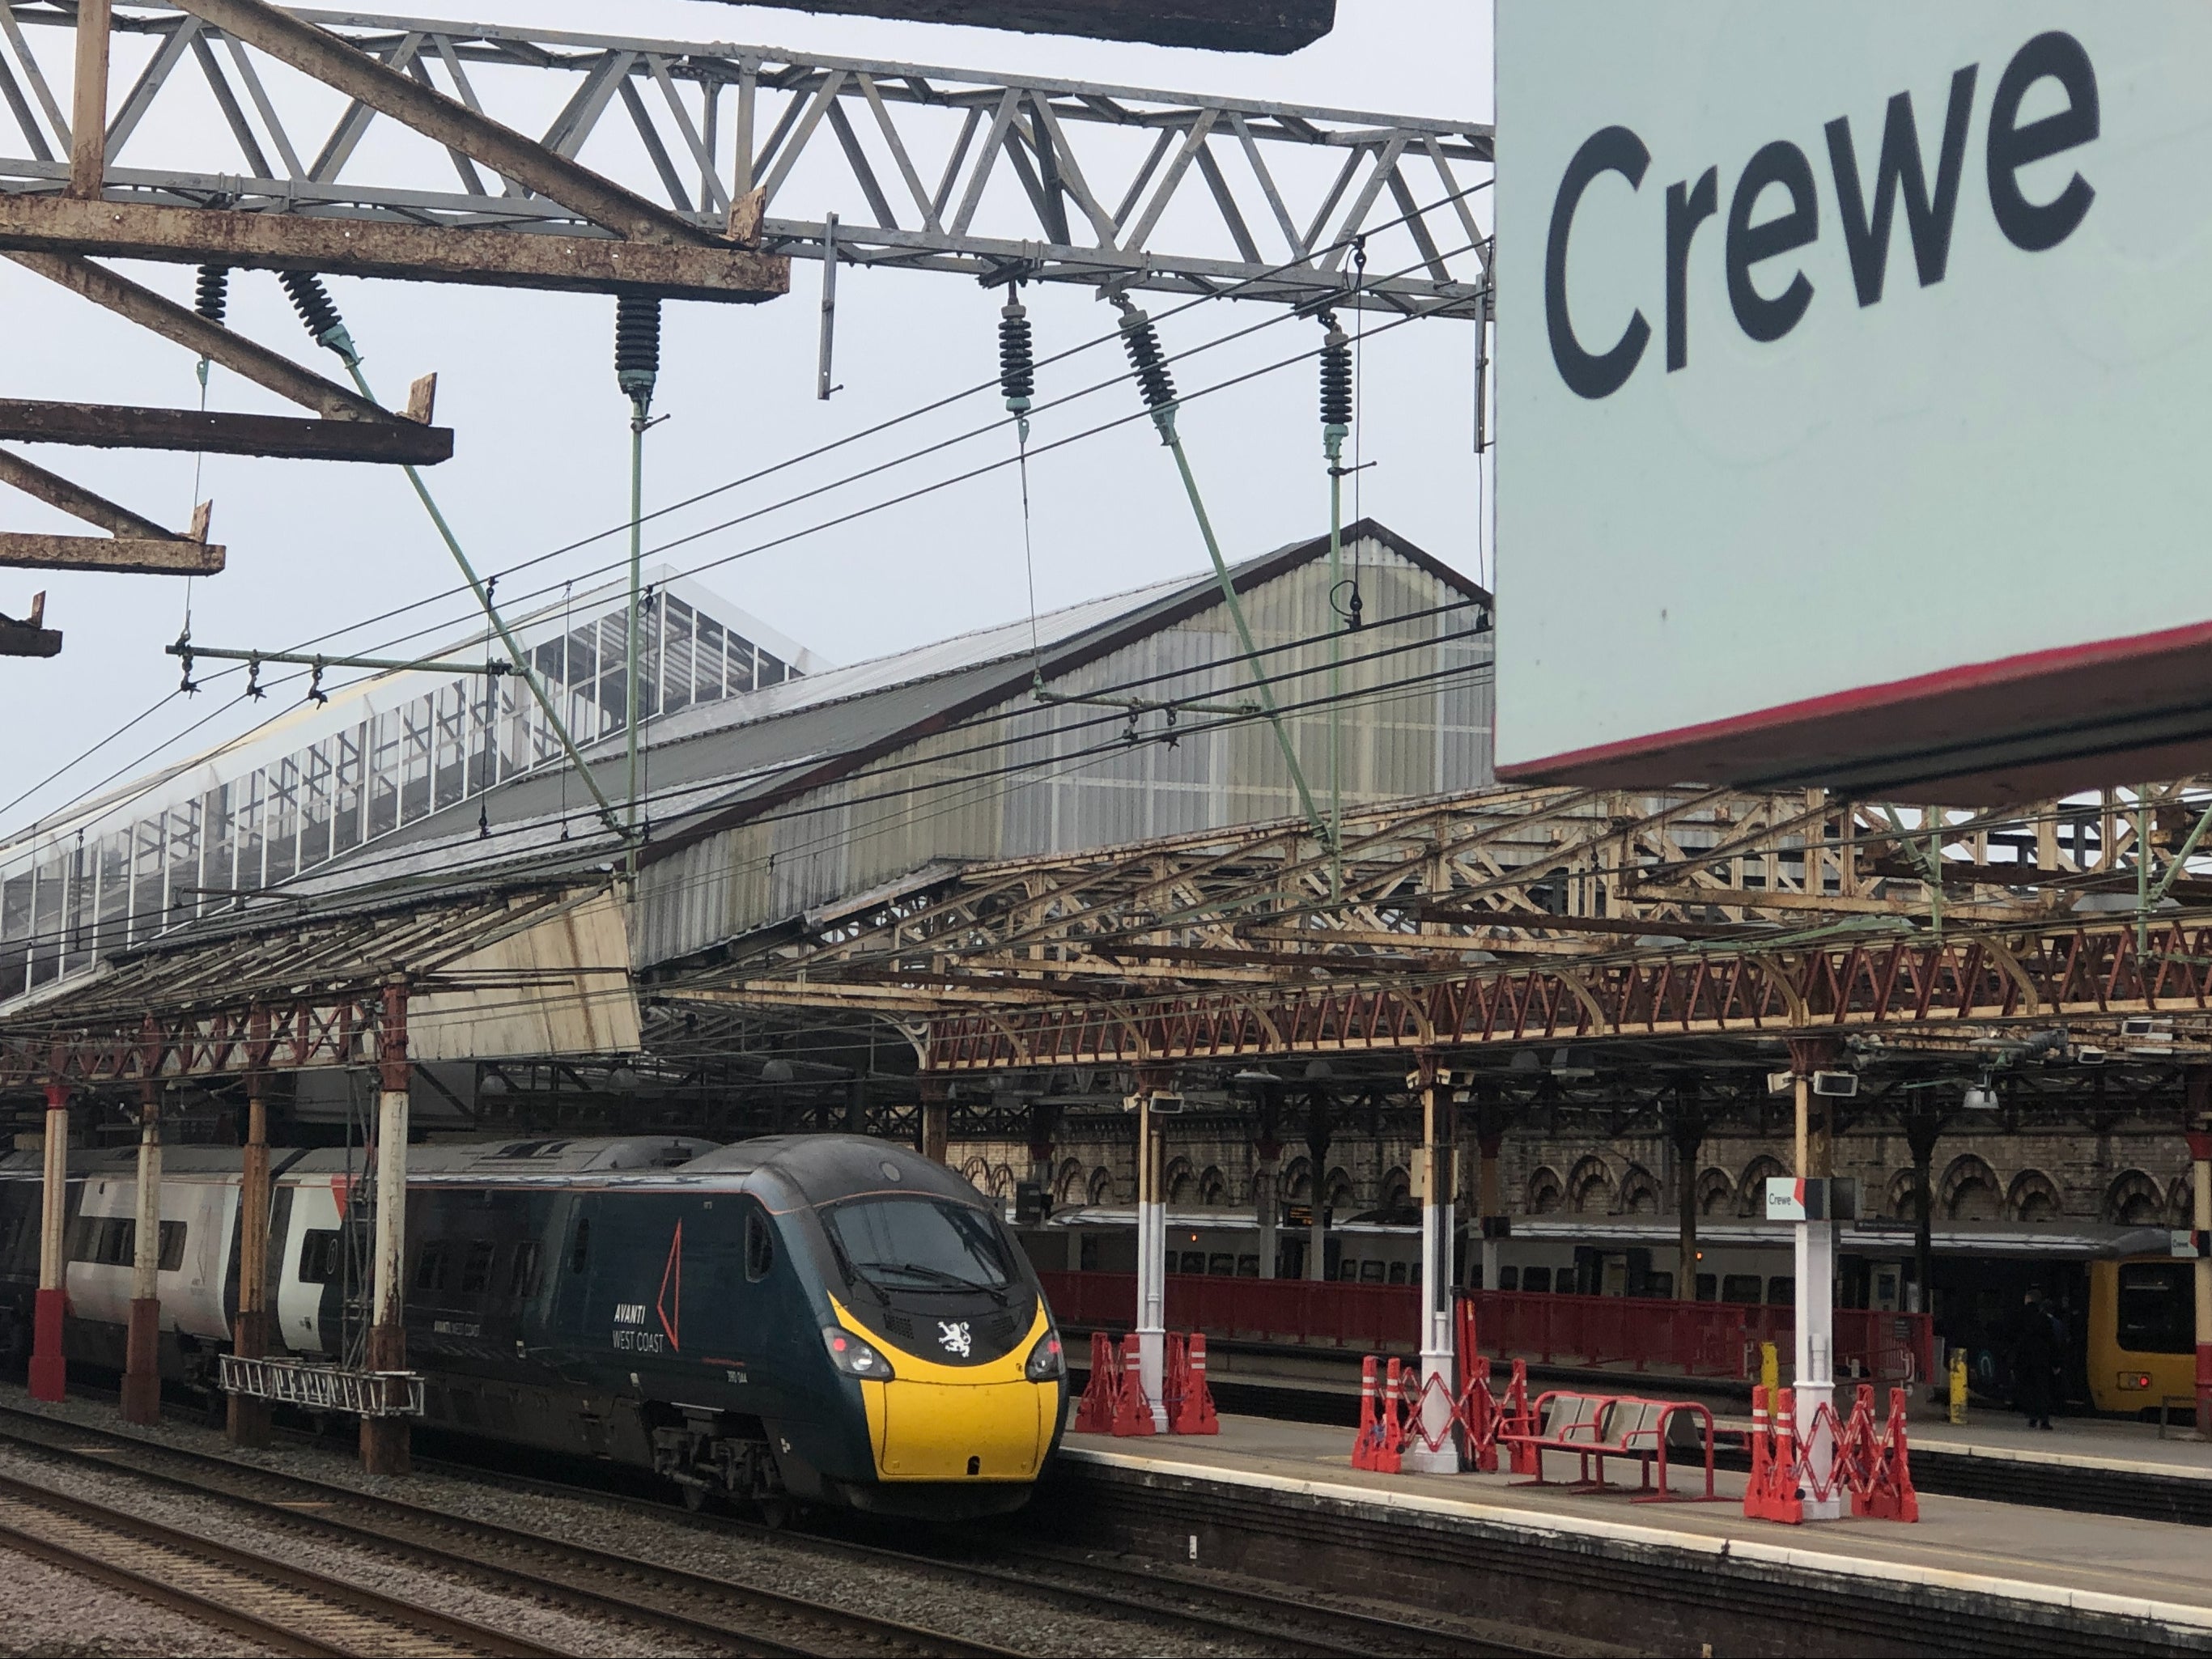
(937, 1422)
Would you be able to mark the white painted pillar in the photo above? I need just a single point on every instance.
(1815, 1320)
(141, 1375)
(48, 1365)
(1152, 1260)
(1434, 1174)
(1266, 1198)
(386, 1297)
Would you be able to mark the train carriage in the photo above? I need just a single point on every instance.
(819, 1319)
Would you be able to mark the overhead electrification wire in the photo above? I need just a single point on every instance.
(1231, 292)
(937, 404)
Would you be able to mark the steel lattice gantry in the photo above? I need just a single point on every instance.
(925, 167)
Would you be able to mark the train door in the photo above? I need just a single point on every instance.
(309, 1257)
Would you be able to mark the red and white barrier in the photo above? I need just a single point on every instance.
(1870, 1463)
(1114, 1402)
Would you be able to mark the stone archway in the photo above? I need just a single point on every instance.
(2033, 1197)
(1546, 1192)
(1970, 1191)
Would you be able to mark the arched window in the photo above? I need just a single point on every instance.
(1639, 1191)
(1589, 1188)
(1751, 1190)
(2181, 1201)
(1067, 1187)
(1970, 1191)
(1546, 1192)
(2135, 1200)
(1902, 1201)
(2034, 1196)
(1716, 1195)
(1297, 1180)
(1213, 1185)
(1397, 1190)
(1339, 1189)
(1182, 1181)
(1102, 1186)
(976, 1172)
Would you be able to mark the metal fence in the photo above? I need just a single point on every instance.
(1695, 1338)
(325, 1388)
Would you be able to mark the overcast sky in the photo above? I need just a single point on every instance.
(526, 380)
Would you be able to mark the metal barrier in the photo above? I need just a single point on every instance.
(325, 1388)
(1698, 1338)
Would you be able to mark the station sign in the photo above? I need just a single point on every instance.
(1850, 372)
(1798, 1197)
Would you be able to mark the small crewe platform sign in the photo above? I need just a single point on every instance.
(1850, 424)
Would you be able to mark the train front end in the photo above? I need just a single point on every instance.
(934, 1327)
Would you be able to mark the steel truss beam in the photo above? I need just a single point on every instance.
(1510, 915)
(925, 167)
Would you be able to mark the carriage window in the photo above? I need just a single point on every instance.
(2157, 1311)
(1538, 1279)
(476, 1271)
(173, 1246)
(1509, 1278)
(1223, 1265)
(1247, 1267)
(318, 1256)
(581, 1252)
(1741, 1287)
(1397, 1272)
(1781, 1292)
(1660, 1285)
(430, 1269)
(1708, 1288)
(760, 1246)
(1193, 1261)
(522, 1275)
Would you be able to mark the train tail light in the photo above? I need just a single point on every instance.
(2135, 1379)
(854, 1357)
(1046, 1360)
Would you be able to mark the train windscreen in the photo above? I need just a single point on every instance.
(920, 1244)
(2157, 1308)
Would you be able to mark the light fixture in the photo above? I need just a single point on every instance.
(1980, 1096)
(623, 1080)
(777, 1070)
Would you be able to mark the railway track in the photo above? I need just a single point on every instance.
(274, 1603)
(731, 1616)
(1158, 1594)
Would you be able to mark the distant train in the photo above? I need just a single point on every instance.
(2125, 1304)
(818, 1319)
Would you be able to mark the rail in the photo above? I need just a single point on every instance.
(1695, 1338)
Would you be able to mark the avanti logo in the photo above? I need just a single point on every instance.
(1767, 312)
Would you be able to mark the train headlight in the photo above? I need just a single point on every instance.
(1046, 1360)
(854, 1357)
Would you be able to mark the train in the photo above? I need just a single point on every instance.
(2124, 1303)
(810, 1319)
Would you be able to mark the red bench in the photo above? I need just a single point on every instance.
(1593, 1428)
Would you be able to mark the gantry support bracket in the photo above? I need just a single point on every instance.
(211, 432)
(29, 636)
(57, 225)
(133, 546)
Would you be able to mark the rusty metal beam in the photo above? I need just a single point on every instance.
(2048, 976)
(121, 555)
(1282, 26)
(55, 225)
(80, 503)
(323, 55)
(29, 636)
(257, 363)
(117, 426)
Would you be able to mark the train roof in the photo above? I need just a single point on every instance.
(826, 1167)
(535, 1155)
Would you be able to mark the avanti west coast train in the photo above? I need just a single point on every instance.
(819, 1319)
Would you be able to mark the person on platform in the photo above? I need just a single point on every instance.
(2035, 1362)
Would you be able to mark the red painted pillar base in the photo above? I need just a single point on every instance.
(386, 1443)
(49, 1366)
(141, 1368)
(248, 1416)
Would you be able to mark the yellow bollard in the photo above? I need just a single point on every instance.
(1770, 1368)
(1958, 1386)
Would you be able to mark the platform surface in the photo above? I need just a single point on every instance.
(2103, 1564)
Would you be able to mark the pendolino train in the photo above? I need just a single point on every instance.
(816, 1319)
